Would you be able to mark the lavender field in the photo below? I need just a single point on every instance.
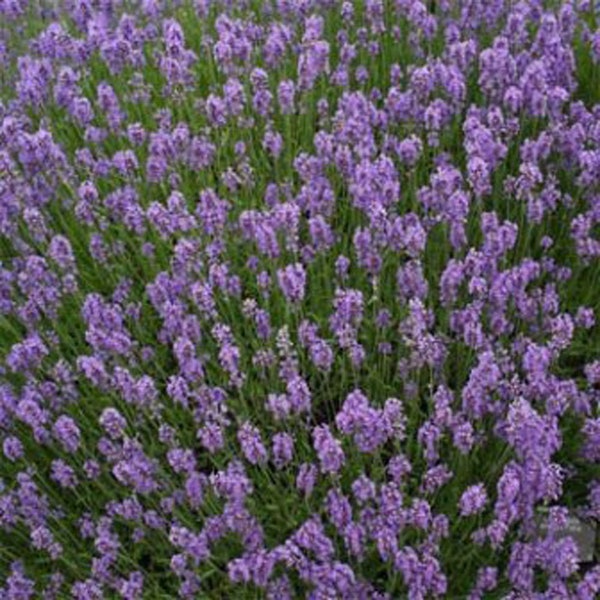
(299, 299)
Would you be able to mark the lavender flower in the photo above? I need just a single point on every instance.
(292, 281)
(473, 500)
(229, 233)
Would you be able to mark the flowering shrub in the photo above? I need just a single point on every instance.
(298, 298)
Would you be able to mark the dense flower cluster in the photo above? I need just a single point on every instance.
(298, 298)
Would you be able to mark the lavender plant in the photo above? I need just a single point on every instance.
(298, 299)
